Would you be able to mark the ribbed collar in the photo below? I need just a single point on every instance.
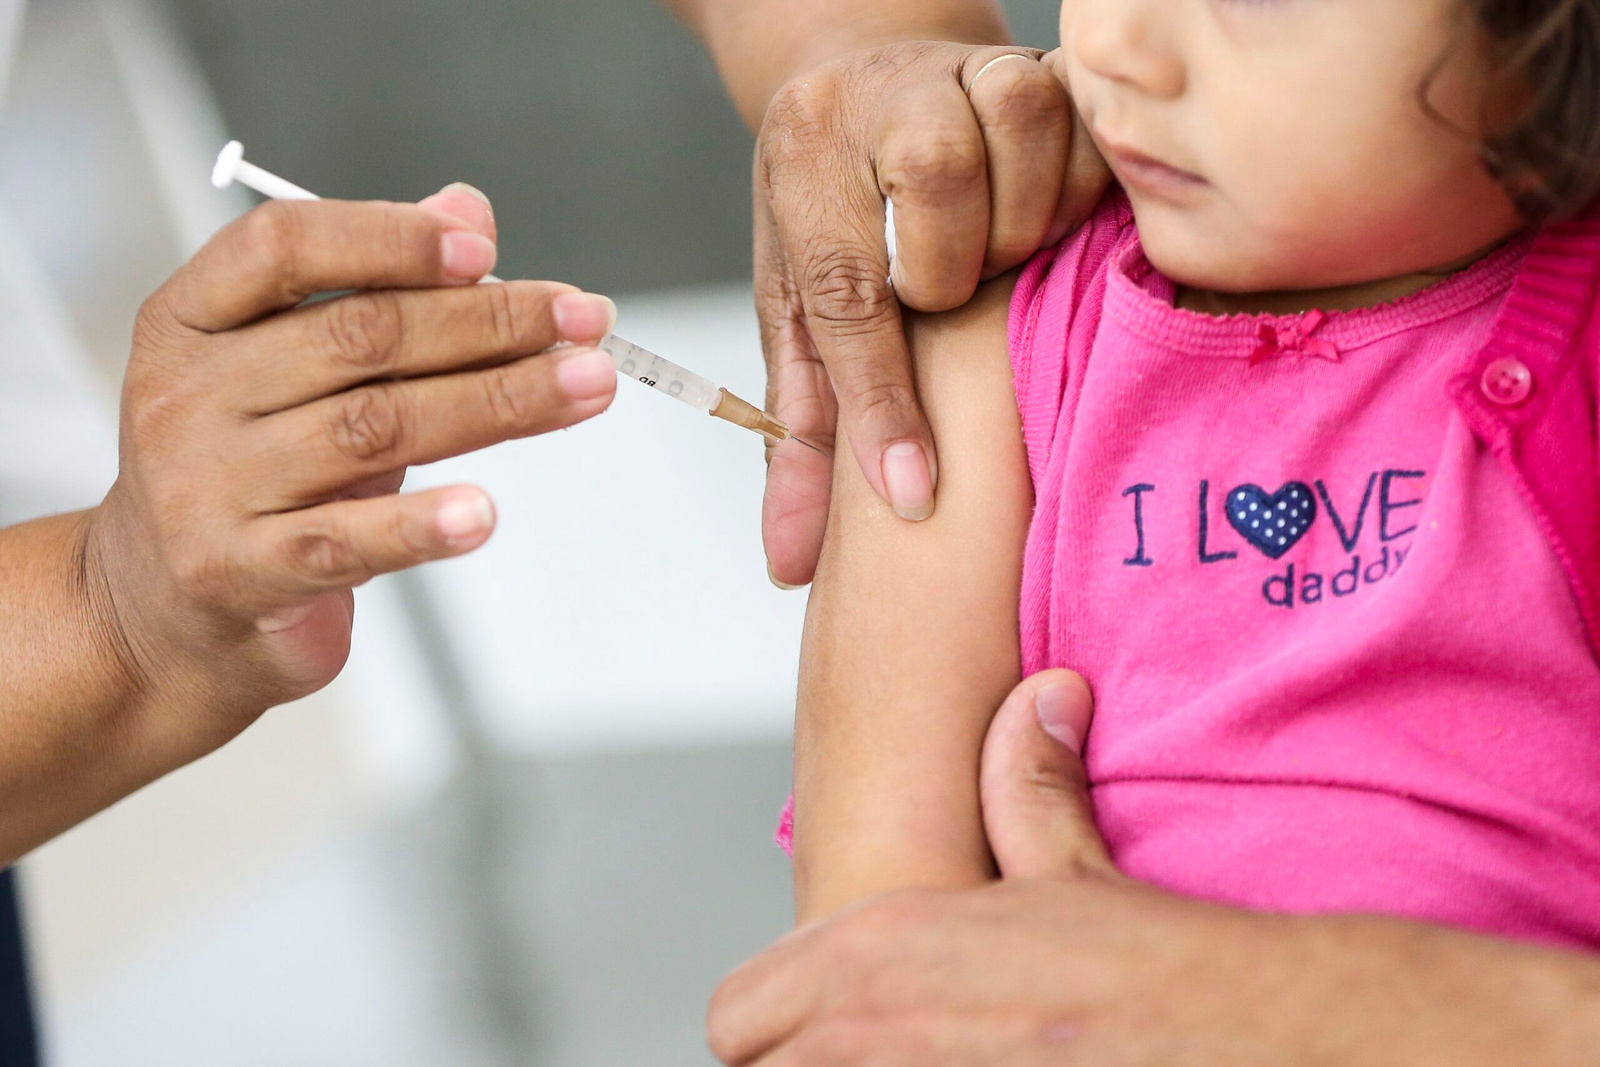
(1140, 300)
(1554, 290)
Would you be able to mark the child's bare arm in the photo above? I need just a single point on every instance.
(911, 638)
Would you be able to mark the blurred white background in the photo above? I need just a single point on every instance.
(532, 823)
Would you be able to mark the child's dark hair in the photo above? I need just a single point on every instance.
(1548, 158)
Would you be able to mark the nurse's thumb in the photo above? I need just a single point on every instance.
(1035, 791)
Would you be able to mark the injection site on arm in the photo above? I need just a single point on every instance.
(911, 639)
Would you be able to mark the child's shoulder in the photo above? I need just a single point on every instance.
(1058, 279)
(1059, 295)
(1088, 248)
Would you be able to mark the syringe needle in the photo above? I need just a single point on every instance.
(741, 412)
(818, 449)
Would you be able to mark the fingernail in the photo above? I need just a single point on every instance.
(785, 586)
(587, 375)
(465, 518)
(471, 190)
(1060, 713)
(467, 256)
(584, 316)
(907, 478)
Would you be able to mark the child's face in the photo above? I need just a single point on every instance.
(1297, 151)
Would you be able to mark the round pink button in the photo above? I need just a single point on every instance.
(1507, 382)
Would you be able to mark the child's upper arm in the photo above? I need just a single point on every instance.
(911, 636)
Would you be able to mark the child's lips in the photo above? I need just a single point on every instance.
(1148, 174)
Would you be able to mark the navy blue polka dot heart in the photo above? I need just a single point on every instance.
(1273, 522)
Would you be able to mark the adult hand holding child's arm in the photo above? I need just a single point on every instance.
(1066, 962)
(263, 445)
(984, 159)
(856, 101)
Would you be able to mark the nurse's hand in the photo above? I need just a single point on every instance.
(264, 441)
(985, 162)
(1065, 962)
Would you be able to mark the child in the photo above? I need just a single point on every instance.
(1304, 483)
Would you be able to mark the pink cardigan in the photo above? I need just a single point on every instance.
(1549, 441)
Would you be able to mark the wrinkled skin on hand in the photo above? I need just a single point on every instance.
(982, 171)
(264, 441)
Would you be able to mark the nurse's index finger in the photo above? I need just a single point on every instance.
(282, 252)
(308, 452)
(388, 333)
(832, 234)
(854, 321)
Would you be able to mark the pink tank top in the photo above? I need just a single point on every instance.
(1338, 665)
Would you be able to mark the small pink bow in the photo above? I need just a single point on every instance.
(1293, 339)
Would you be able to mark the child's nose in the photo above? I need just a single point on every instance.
(1133, 42)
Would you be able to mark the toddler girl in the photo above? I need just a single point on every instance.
(1304, 482)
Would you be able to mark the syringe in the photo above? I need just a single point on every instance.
(640, 364)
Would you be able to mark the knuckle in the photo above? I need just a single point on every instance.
(1023, 97)
(507, 397)
(882, 398)
(367, 331)
(150, 416)
(407, 235)
(799, 123)
(159, 338)
(933, 166)
(879, 65)
(847, 288)
(805, 106)
(367, 426)
(416, 538)
(509, 324)
(324, 553)
(153, 321)
(271, 235)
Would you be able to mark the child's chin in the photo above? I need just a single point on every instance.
(1193, 268)
(1226, 260)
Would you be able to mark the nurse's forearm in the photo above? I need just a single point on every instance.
(72, 737)
(759, 45)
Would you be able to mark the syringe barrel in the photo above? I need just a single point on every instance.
(643, 365)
